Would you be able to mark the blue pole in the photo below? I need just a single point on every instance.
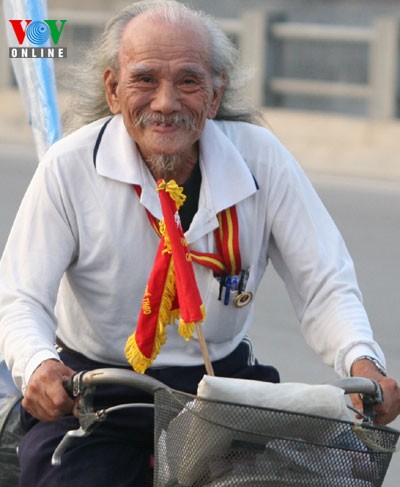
(35, 78)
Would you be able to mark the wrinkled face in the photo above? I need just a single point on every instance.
(164, 88)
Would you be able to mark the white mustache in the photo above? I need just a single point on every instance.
(176, 119)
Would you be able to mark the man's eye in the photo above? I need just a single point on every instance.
(142, 80)
(145, 79)
(189, 81)
(189, 84)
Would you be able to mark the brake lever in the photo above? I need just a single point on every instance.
(369, 390)
(65, 442)
(88, 418)
(370, 401)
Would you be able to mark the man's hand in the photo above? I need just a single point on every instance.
(390, 408)
(45, 397)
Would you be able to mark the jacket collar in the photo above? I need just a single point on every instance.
(118, 158)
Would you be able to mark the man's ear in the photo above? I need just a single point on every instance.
(217, 96)
(110, 87)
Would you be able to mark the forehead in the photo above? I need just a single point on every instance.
(147, 41)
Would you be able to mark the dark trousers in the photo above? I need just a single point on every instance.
(117, 453)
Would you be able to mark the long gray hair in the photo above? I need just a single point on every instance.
(88, 101)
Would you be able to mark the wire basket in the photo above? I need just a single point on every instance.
(216, 444)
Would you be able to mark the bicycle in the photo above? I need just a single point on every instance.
(236, 444)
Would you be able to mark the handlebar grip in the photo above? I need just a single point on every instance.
(370, 391)
(69, 387)
(77, 384)
(361, 385)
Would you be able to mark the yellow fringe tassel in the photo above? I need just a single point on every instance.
(136, 359)
(168, 295)
(175, 191)
(186, 330)
(166, 316)
(167, 242)
(175, 314)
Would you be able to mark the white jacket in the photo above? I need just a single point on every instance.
(81, 250)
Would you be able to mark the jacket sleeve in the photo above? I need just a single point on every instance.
(310, 255)
(40, 247)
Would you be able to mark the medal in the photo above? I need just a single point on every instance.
(243, 299)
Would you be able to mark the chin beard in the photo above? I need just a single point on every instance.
(164, 163)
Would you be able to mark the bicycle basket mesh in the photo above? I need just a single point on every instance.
(215, 444)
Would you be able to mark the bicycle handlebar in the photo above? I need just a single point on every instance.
(79, 382)
(83, 385)
(360, 385)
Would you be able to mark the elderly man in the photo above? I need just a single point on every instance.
(158, 101)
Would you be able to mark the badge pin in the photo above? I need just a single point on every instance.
(243, 299)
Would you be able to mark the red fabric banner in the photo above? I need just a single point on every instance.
(171, 289)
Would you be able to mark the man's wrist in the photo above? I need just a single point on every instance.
(37, 359)
(378, 366)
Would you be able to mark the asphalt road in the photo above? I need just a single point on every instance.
(368, 214)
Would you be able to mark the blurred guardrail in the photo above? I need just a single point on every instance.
(261, 31)
(260, 34)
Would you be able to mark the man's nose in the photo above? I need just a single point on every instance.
(166, 99)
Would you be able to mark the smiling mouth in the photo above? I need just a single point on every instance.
(165, 127)
(166, 124)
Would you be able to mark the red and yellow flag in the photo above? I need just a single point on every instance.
(171, 290)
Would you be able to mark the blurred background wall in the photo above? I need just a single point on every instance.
(336, 56)
(327, 73)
